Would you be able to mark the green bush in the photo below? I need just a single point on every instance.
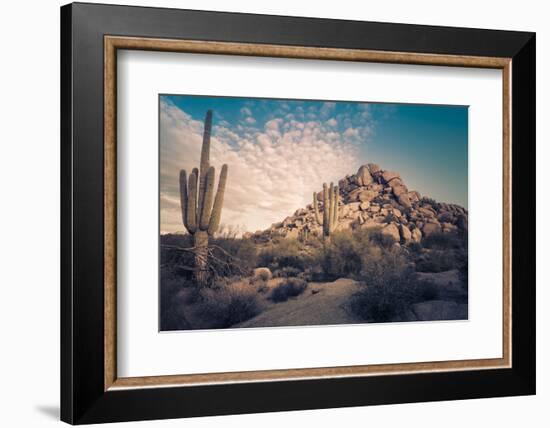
(290, 287)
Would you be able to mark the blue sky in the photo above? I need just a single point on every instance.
(281, 150)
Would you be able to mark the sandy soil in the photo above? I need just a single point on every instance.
(320, 304)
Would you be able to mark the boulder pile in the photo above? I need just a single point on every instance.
(376, 199)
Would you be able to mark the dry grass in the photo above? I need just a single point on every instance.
(227, 304)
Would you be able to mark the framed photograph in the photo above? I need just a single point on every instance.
(266, 213)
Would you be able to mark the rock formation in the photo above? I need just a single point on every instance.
(375, 199)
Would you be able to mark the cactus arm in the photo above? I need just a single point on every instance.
(330, 225)
(205, 160)
(208, 199)
(325, 209)
(192, 203)
(183, 197)
(316, 209)
(334, 209)
(331, 208)
(215, 217)
(336, 200)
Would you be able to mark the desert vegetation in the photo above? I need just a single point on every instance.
(365, 250)
(390, 279)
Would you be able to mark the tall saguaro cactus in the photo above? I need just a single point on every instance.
(330, 209)
(200, 209)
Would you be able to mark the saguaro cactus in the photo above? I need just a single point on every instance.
(200, 210)
(330, 209)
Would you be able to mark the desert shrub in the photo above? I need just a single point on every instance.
(378, 238)
(227, 304)
(390, 287)
(341, 256)
(173, 260)
(429, 201)
(241, 254)
(286, 272)
(291, 287)
(174, 292)
(285, 253)
(425, 290)
(344, 255)
(232, 256)
(292, 261)
(437, 261)
(443, 241)
(414, 248)
(262, 287)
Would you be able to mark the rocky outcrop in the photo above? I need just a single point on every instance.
(374, 199)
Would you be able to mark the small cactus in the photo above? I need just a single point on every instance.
(330, 209)
(201, 207)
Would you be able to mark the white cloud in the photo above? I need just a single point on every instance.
(272, 171)
(332, 122)
(246, 111)
(250, 120)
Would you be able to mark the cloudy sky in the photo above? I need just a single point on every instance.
(280, 151)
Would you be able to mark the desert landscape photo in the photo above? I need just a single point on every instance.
(280, 212)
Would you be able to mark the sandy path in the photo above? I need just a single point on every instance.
(320, 304)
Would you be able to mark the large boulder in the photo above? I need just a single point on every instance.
(406, 234)
(262, 273)
(462, 222)
(437, 310)
(343, 184)
(392, 231)
(352, 207)
(445, 216)
(400, 190)
(375, 187)
(373, 168)
(390, 175)
(363, 176)
(362, 195)
(404, 200)
(414, 196)
(426, 211)
(431, 228)
(448, 227)
(395, 183)
(416, 235)
(367, 195)
(371, 224)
